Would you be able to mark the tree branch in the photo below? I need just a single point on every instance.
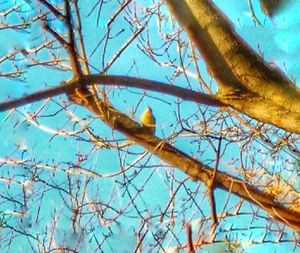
(245, 80)
(132, 82)
(190, 166)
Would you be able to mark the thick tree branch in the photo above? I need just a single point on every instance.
(195, 169)
(245, 80)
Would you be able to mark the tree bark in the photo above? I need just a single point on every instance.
(245, 80)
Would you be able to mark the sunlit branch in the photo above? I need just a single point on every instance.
(192, 167)
(245, 80)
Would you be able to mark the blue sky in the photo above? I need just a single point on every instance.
(53, 154)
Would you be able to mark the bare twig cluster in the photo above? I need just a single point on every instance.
(211, 178)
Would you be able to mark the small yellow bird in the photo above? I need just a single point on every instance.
(148, 120)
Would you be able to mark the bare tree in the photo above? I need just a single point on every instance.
(79, 172)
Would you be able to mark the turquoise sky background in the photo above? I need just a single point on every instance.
(32, 147)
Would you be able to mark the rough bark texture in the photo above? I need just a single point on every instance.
(245, 80)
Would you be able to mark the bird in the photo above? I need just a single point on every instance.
(148, 120)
